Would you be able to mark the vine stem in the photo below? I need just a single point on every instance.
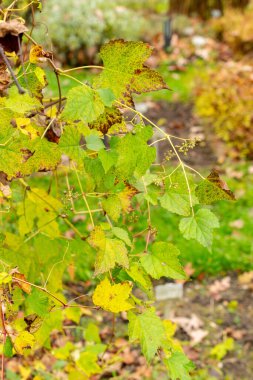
(8, 9)
(42, 289)
(184, 171)
(149, 218)
(155, 142)
(195, 171)
(6, 61)
(85, 199)
(82, 212)
(5, 333)
(47, 128)
(81, 68)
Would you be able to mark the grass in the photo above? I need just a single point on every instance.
(66, 83)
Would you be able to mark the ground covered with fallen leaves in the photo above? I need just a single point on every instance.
(213, 323)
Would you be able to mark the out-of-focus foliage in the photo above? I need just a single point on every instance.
(225, 99)
(236, 29)
(159, 6)
(204, 8)
(73, 25)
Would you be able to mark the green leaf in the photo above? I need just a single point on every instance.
(110, 252)
(163, 261)
(107, 96)
(148, 329)
(94, 142)
(21, 104)
(41, 209)
(87, 362)
(108, 159)
(92, 333)
(179, 366)
(98, 348)
(112, 207)
(37, 303)
(70, 144)
(7, 349)
(177, 198)
(139, 276)
(52, 321)
(42, 155)
(176, 203)
(64, 352)
(34, 79)
(122, 235)
(200, 227)
(134, 154)
(83, 103)
(124, 71)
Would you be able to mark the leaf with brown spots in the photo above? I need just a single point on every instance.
(213, 189)
(109, 118)
(124, 71)
(4, 78)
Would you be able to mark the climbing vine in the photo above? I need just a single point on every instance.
(77, 173)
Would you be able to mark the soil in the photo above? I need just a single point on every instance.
(219, 314)
(178, 119)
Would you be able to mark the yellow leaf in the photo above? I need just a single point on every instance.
(36, 53)
(112, 297)
(24, 125)
(24, 340)
(5, 278)
(170, 328)
(25, 372)
(22, 284)
(126, 196)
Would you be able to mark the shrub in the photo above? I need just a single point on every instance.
(236, 29)
(73, 25)
(225, 99)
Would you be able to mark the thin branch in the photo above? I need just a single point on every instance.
(59, 91)
(42, 289)
(81, 68)
(195, 171)
(58, 262)
(5, 333)
(85, 199)
(47, 128)
(6, 61)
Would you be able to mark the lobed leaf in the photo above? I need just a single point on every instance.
(163, 261)
(200, 227)
(124, 71)
(112, 298)
(148, 329)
